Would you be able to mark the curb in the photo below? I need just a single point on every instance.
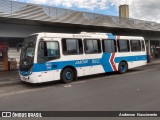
(148, 64)
(10, 83)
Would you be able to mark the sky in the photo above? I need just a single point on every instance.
(139, 9)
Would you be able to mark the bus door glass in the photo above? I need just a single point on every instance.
(48, 51)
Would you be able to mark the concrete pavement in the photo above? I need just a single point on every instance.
(136, 90)
(9, 78)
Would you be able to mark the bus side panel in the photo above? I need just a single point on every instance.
(96, 69)
(80, 71)
(50, 75)
(108, 62)
(86, 64)
(133, 59)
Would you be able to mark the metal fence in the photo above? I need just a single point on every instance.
(13, 9)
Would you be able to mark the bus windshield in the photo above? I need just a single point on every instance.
(27, 53)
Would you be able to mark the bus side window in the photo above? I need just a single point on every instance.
(92, 46)
(142, 45)
(123, 45)
(109, 46)
(72, 46)
(89, 46)
(135, 45)
(48, 50)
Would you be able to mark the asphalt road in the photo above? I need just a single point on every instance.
(137, 90)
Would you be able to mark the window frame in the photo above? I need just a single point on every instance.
(99, 46)
(76, 39)
(128, 44)
(143, 48)
(115, 45)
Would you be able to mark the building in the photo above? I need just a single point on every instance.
(124, 11)
(18, 20)
(3, 55)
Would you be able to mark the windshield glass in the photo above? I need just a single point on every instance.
(27, 53)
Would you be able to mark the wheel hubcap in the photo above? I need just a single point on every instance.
(123, 68)
(68, 75)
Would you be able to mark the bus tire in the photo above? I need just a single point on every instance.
(123, 67)
(67, 75)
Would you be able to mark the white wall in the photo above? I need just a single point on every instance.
(13, 53)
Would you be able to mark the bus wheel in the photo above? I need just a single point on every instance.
(67, 75)
(123, 67)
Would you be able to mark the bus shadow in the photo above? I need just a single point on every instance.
(42, 85)
(106, 74)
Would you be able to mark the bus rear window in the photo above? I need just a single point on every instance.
(143, 45)
(135, 45)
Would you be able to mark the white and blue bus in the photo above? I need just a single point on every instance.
(58, 56)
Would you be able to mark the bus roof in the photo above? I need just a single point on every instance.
(87, 35)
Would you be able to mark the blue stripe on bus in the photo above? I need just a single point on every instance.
(104, 61)
(61, 64)
(130, 58)
(110, 36)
